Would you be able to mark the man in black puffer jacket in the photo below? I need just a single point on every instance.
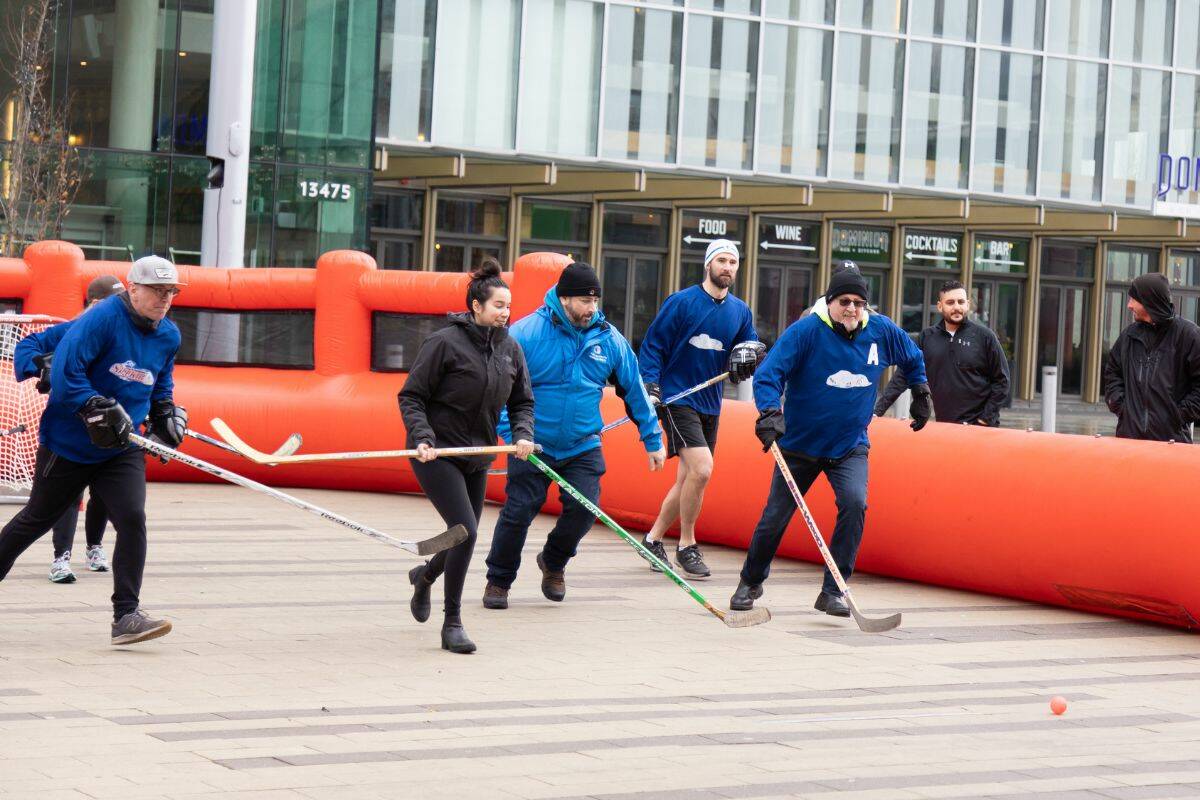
(1152, 375)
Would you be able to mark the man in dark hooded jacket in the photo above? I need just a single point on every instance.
(1152, 375)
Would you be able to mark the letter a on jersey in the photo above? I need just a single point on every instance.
(873, 356)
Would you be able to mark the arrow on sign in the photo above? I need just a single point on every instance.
(689, 239)
(982, 260)
(768, 246)
(932, 257)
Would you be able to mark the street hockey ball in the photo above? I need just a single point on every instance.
(1058, 704)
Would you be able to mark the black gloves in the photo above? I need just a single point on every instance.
(744, 358)
(880, 408)
(168, 422)
(655, 393)
(922, 405)
(43, 364)
(769, 427)
(107, 423)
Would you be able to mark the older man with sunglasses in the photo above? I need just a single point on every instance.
(827, 366)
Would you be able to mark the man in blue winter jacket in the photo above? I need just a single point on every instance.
(822, 373)
(571, 353)
(113, 366)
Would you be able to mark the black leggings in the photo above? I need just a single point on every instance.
(94, 523)
(458, 497)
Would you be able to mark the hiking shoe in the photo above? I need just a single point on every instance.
(60, 569)
(136, 627)
(554, 583)
(97, 561)
(658, 550)
(495, 597)
(832, 604)
(692, 562)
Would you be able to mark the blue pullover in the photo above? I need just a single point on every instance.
(37, 344)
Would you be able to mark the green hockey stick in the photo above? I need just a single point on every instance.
(734, 619)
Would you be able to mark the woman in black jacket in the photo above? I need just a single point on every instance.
(464, 375)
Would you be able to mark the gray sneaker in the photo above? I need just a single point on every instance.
(60, 569)
(136, 627)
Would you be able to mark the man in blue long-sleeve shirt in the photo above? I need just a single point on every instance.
(827, 366)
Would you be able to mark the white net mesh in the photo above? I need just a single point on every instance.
(20, 408)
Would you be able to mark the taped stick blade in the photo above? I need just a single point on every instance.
(290, 445)
(747, 619)
(880, 625)
(447, 539)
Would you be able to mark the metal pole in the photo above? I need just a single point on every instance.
(1049, 398)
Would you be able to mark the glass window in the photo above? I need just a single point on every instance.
(918, 302)
(483, 216)
(316, 211)
(932, 250)
(120, 211)
(1137, 133)
(476, 74)
(635, 227)
(697, 230)
(187, 209)
(1068, 260)
(938, 115)
(793, 122)
(282, 339)
(193, 67)
(873, 15)
(260, 215)
(555, 222)
(1183, 268)
(1126, 263)
(728, 6)
(860, 244)
(1006, 122)
(1077, 27)
(718, 109)
(641, 93)
(1062, 335)
(396, 338)
(800, 10)
(866, 125)
(1015, 23)
(1185, 122)
(268, 65)
(1142, 30)
(562, 46)
(993, 254)
(397, 210)
(1074, 130)
(946, 19)
(1187, 53)
(405, 91)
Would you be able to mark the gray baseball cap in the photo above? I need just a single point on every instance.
(154, 270)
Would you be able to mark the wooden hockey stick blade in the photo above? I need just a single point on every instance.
(870, 624)
(290, 445)
(746, 619)
(444, 540)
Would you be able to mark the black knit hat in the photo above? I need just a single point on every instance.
(847, 281)
(578, 280)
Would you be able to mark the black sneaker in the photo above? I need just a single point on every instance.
(658, 550)
(692, 563)
(832, 604)
(136, 627)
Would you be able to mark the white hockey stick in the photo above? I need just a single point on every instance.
(866, 624)
(425, 547)
(672, 399)
(289, 446)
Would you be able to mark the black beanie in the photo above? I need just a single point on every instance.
(1154, 292)
(847, 281)
(578, 280)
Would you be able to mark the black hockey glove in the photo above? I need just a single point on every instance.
(744, 359)
(655, 392)
(922, 406)
(107, 423)
(769, 427)
(168, 422)
(43, 364)
(880, 408)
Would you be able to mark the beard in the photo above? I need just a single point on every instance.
(719, 280)
(580, 320)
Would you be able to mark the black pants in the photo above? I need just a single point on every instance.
(119, 482)
(456, 490)
(94, 523)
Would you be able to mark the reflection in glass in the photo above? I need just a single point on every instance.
(396, 338)
(767, 315)
(938, 115)
(645, 297)
(1016, 23)
(1185, 122)
(1073, 130)
(1142, 31)
(945, 19)
(1063, 260)
(1061, 322)
(1183, 268)
(794, 106)
(615, 291)
(866, 125)
(120, 211)
(405, 91)
(997, 304)
(638, 227)
(278, 339)
(1126, 263)
(543, 221)
(308, 225)
(800, 10)
(872, 15)
(1137, 133)
(1006, 125)
(1187, 52)
(641, 93)
(476, 72)
(718, 109)
(1077, 27)
(728, 6)
(561, 99)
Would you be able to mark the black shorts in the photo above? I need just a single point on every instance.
(684, 426)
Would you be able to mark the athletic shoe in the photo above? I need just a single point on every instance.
(60, 569)
(832, 604)
(554, 582)
(692, 562)
(495, 597)
(136, 627)
(743, 599)
(96, 560)
(658, 550)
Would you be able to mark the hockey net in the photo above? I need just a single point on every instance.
(20, 409)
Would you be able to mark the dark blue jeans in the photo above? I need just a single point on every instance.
(848, 477)
(526, 493)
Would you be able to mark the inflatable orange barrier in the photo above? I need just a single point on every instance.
(1103, 525)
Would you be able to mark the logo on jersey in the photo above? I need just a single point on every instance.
(597, 354)
(705, 342)
(847, 380)
(128, 371)
(873, 356)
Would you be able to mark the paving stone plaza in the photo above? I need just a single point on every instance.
(296, 671)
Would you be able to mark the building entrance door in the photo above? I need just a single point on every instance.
(998, 305)
(1062, 330)
(784, 292)
(630, 285)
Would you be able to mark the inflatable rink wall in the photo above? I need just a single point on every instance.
(1097, 524)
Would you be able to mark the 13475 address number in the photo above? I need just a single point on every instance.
(325, 190)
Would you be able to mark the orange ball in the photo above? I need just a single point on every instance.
(1058, 704)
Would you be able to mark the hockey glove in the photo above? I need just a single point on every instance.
(769, 427)
(655, 392)
(168, 422)
(744, 358)
(43, 364)
(922, 406)
(107, 423)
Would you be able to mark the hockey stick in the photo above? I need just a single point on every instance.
(425, 547)
(672, 399)
(734, 619)
(866, 624)
(289, 446)
(14, 430)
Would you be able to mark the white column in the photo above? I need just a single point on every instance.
(131, 112)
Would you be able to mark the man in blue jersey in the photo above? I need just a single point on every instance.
(113, 366)
(826, 366)
(698, 333)
(572, 354)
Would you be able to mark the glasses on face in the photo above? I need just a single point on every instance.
(161, 292)
(846, 302)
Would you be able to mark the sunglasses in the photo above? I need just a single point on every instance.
(161, 292)
(846, 302)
